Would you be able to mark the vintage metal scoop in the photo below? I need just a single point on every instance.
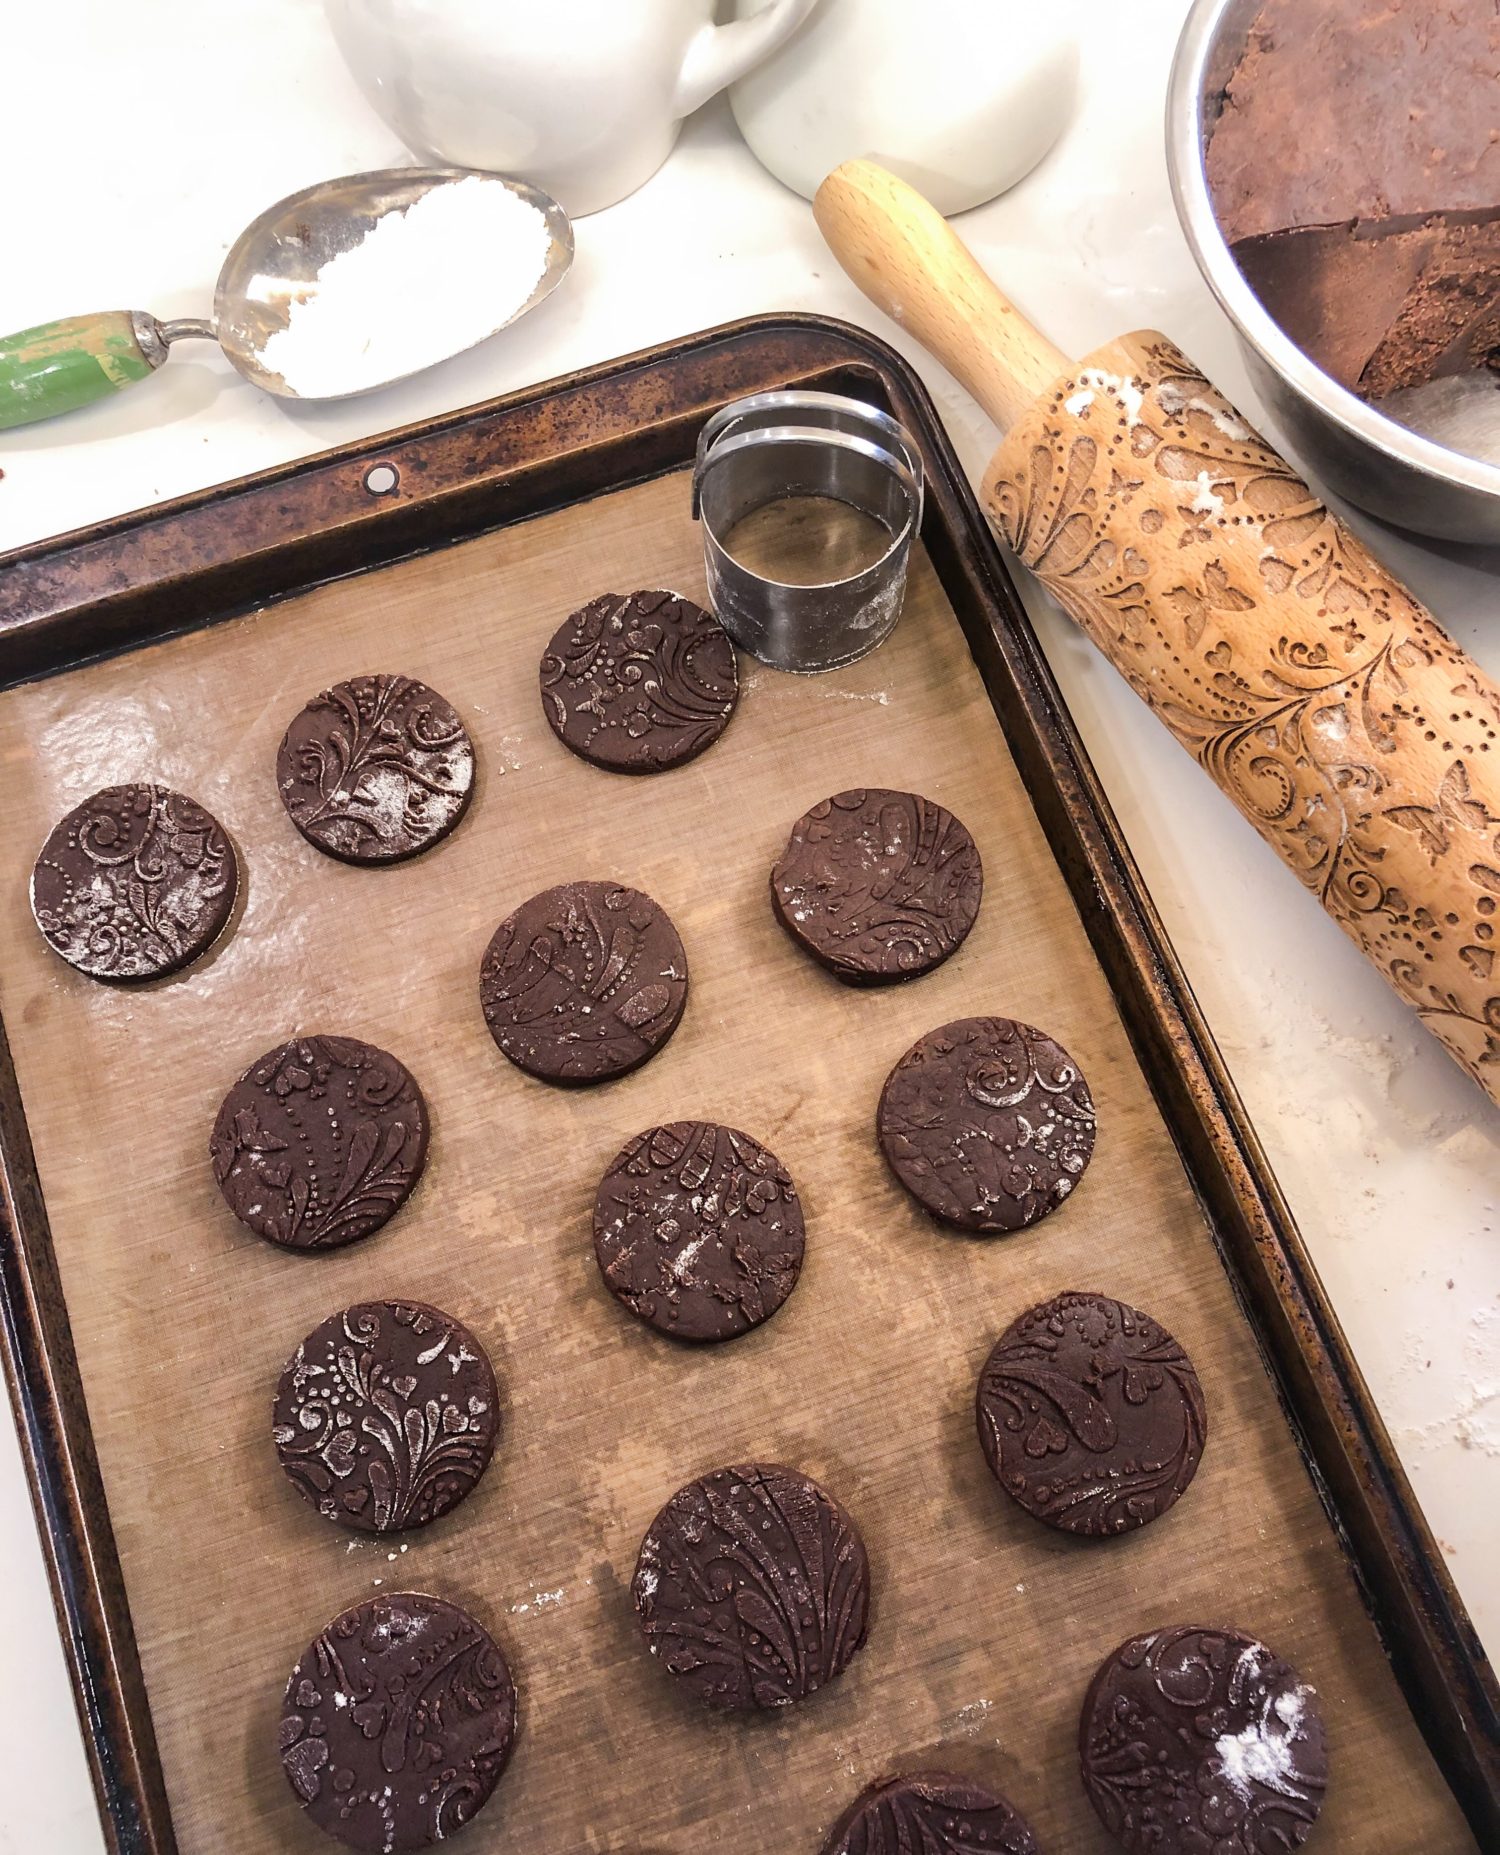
(273, 264)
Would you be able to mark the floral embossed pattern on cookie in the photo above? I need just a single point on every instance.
(376, 769)
(753, 1588)
(386, 1416)
(878, 885)
(698, 1230)
(639, 682)
(1091, 1415)
(584, 982)
(398, 1721)
(930, 1813)
(988, 1123)
(320, 1142)
(1198, 1740)
(134, 883)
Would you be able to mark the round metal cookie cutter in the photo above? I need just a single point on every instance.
(772, 446)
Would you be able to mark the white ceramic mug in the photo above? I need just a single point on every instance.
(583, 98)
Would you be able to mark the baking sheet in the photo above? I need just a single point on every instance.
(986, 1627)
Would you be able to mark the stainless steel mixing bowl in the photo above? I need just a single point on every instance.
(1348, 445)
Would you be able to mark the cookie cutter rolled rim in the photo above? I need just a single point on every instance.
(836, 411)
(771, 446)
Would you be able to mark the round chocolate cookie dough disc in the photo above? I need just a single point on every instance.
(583, 982)
(698, 1230)
(878, 885)
(930, 1813)
(397, 1723)
(320, 1142)
(639, 682)
(386, 1416)
(987, 1123)
(1091, 1415)
(753, 1588)
(134, 883)
(376, 769)
(1197, 1739)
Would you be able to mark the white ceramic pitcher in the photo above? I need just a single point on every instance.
(583, 98)
(959, 97)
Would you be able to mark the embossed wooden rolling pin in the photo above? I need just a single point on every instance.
(1347, 727)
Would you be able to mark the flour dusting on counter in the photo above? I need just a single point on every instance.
(424, 283)
(539, 1600)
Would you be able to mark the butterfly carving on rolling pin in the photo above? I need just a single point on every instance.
(1319, 694)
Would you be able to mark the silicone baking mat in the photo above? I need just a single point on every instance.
(986, 1626)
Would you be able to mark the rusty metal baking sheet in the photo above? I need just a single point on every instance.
(986, 1627)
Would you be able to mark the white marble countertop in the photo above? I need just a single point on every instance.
(144, 142)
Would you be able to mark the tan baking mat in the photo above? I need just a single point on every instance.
(986, 1626)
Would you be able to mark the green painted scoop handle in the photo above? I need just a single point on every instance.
(59, 366)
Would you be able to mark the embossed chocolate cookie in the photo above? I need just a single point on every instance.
(583, 982)
(1091, 1415)
(987, 1123)
(397, 1724)
(320, 1142)
(134, 883)
(386, 1416)
(753, 1588)
(639, 682)
(878, 885)
(376, 769)
(1196, 1739)
(930, 1813)
(698, 1230)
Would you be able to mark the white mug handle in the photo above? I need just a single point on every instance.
(717, 55)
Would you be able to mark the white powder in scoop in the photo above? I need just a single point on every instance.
(423, 284)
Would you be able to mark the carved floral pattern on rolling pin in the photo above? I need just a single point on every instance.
(1345, 725)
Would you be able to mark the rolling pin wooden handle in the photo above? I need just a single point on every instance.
(909, 262)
